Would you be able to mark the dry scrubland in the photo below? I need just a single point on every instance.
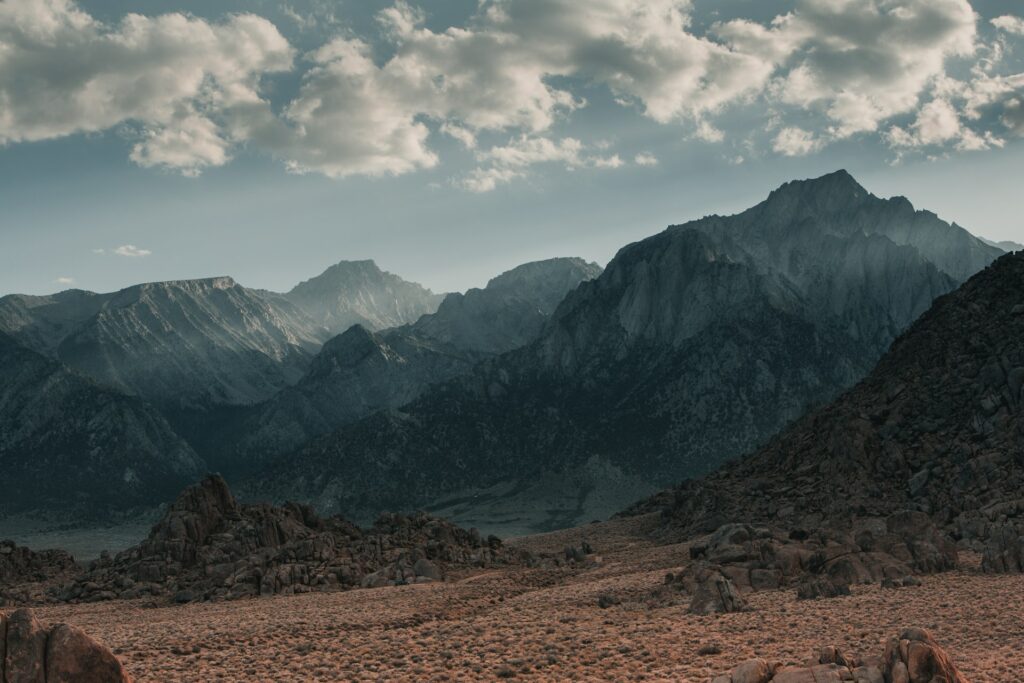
(547, 625)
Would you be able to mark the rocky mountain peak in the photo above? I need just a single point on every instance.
(831, 193)
(535, 275)
(351, 292)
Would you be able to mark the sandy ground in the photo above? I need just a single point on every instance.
(546, 625)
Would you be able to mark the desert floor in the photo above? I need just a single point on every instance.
(547, 625)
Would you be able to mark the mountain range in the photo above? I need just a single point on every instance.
(557, 394)
(361, 371)
(693, 346)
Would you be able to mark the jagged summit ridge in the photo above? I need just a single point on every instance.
(834, 192)
(358, 292)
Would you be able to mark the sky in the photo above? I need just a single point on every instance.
(452, 140)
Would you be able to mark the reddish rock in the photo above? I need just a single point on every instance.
(912, 657)
(73, 657)
(26, 649)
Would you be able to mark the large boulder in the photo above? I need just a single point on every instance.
(33, 653)
(25, 660)
(73, 657)
(714, 593)
(917, 654)
(1004, 550)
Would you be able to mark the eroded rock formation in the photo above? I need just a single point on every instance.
(208, 546)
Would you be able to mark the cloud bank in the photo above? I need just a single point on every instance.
(190, 91)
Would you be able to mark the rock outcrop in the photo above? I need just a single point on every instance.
(738, 559)
(714, 593)
(208, 546)
(935, 428)
(1004, 549)
(19, 564)
(913, 656)
(33, 653)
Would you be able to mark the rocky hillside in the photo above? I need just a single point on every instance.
(693, 346)
(361, 371)
(69, 445)
(359, 293)
(935, 427)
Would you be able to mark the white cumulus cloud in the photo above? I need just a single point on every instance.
(131, 251)
(1010, 24)
(193, 91)
(795, 142)
(184, 79)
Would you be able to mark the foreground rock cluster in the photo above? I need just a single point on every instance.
(25, 572)
(33, 653)
(20, 564)
(740, 558)
(911, 657)
(208, 546)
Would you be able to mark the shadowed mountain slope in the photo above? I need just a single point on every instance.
(68, 445)
(937, 426)
(361, 371)
(693, 346)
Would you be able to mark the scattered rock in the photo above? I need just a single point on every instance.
(911, 657)
(714, 593)
(916, 652)
(818, 587)
(1004, 550)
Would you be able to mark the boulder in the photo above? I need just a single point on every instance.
(73, 657)
(427, 569)
(714, 593)
(1004, 550)
(911, 657)
(915, 655)
(818, 587)
(25, 660)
